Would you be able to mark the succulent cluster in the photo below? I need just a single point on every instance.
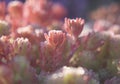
(37, 48)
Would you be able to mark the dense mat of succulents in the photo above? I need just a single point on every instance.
(48, 51)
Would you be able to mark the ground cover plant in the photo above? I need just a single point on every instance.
(36, 47)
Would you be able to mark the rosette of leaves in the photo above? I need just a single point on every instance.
(93, 51)
(52, 51)
(6, 49)
(74, 26)
(33, 33)
(70, 75)
(21, 46)
(23, 73)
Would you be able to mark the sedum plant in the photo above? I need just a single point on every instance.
(36, 47)
(70, 75)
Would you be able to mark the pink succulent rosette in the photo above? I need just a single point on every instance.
(6, 49)
(52, 50)
(55, 38)
(22, 46)
(74, 26)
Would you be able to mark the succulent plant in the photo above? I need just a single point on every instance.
(37, 47)
(22, 71)
(51, 51)
(55, 38)
(74, 26)
(21, 46)
(70, 75)
(93, 50)
(6, 49)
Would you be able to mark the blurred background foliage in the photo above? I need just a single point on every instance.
(79, 8)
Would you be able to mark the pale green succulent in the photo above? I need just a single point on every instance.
(70, 75)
